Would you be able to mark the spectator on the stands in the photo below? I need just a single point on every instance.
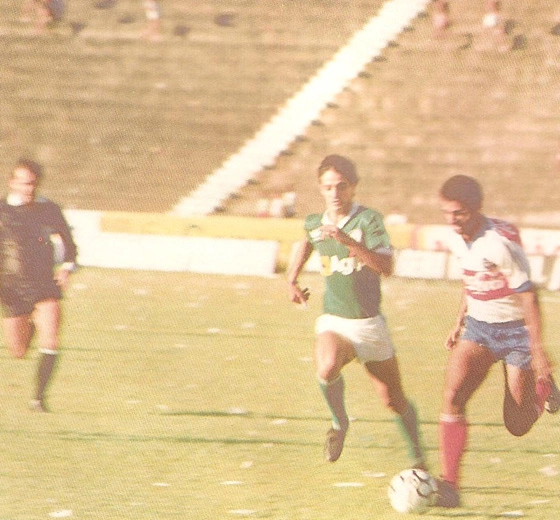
(45, 12)
(492, 18)
(152, 9)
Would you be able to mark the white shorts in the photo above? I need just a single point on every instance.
(369, 336)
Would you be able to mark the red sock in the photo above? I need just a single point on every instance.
(452, 444)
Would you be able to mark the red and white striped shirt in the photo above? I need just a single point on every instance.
(495, 270)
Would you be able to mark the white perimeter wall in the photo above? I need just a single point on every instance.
(97, 248)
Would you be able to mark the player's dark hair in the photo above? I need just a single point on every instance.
(463, 189)
(340, 164)
(29, 164)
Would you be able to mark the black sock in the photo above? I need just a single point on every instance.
(44, 371)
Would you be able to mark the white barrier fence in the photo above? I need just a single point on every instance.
(98, 248)
(440, 265)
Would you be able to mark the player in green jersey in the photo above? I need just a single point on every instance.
(355, 251)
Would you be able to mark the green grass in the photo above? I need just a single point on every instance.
(188, 396)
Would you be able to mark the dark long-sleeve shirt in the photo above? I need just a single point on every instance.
(26, 244)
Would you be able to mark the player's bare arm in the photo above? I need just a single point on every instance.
(455, 333)
(62, 276)
(297, 294)
(380, 263)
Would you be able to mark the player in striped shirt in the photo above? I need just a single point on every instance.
(498, 320)
(355, 252)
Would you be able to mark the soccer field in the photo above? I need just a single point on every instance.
(185, 396)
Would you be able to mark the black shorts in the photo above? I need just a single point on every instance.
(21, 300)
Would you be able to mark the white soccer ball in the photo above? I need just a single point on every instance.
(412, 491)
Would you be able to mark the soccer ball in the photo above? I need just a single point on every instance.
(412, 491)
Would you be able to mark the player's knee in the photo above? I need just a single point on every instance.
(327, 371)
(328, 366)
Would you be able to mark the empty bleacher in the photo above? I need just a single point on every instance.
(126, 124)
(431, 108)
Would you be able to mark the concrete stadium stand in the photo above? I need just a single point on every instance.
(303, 108)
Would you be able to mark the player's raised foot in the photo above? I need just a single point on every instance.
(38, 406)
(552, 403)
(334, 443)
(447, 494)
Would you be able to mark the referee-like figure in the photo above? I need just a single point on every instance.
(31, 280)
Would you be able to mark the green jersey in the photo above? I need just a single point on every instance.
(352, 290)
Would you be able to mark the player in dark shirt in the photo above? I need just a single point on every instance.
(31, 279)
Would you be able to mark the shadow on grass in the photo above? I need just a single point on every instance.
(241, 414)
(256, 415)
(186, 439)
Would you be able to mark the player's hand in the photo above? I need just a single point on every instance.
(540, 364)
(61, 277)
(298, 295)
(337, 234)
(453, 338)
